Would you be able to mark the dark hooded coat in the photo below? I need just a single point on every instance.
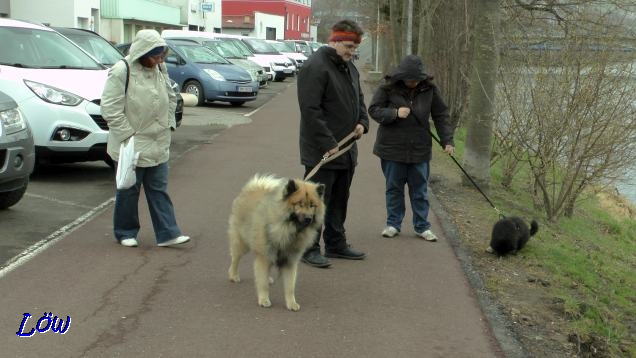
(331, 105)
(408, 140)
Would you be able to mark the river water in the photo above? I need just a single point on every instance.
(628, 189)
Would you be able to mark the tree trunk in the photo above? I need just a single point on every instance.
(425, 31)
(395, 33)
(408, 46)
(482, 93)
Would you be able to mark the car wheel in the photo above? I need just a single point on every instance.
(194, 87)
(10, 198)
(279, 78)
(236, 104)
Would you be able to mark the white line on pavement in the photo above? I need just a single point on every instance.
(59, 234)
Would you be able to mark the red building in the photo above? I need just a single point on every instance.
(297, 14)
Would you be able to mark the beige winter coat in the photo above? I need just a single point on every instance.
(145, 110)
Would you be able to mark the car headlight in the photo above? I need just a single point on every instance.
(254, 75)
(11, 121)
(217, 76)
(53, 95)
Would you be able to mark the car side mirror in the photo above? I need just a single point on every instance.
(172, 59)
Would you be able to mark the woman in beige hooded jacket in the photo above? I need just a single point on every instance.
(138, 100)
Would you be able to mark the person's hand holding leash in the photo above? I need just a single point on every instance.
(359, 131)
(357, 134)
(331, 152)
(449, 149)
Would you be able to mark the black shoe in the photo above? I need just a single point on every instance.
(345, 253)
(315, 259)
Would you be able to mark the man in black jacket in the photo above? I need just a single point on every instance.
(331, 107)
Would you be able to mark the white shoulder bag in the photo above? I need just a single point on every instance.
(126, 177)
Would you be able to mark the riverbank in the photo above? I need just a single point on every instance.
(560, 295)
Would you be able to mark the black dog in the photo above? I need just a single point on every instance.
(510, 235)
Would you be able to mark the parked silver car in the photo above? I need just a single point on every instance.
(17, 152)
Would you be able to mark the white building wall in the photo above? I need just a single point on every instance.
(4, 8)
(240, 32)
(262, 21)
(87, 14)
(66, 13)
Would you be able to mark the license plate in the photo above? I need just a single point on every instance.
(287, 70)
(245, 89)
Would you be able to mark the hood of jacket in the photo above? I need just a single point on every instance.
(145, 41)
(410, 68)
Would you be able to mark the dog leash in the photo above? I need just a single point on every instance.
(327, 158)
(501, 215)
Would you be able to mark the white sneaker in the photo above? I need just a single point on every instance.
(129, 242)
(176, 241)
(428, 235)
(390, 231)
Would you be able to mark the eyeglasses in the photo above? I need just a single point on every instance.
(350, 46)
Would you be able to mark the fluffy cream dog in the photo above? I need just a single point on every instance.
(277, 219)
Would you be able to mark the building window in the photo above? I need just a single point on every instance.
(246, 19)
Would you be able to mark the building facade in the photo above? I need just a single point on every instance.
(259, 25)
(118, 20)
(296, 16)
(64, 13)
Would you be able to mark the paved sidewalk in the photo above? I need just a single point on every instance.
(409, 298)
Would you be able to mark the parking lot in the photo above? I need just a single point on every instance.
(61, 197)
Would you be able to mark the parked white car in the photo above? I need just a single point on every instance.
(281, 64)
(288, 50)
(58, 87)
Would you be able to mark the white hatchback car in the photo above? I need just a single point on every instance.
(58, 86)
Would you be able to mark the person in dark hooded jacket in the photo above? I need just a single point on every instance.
(331, 107)
(402, 107)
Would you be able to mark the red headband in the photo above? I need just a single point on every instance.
(344, 36)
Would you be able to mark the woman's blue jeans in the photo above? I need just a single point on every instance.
(415, 175)
(126, 216)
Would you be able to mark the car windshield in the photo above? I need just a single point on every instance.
(261, 47)
(201, 54)
(97, 46)
(239, 45)
(33, 48)
(224, 48)
(304, 48)
(281, 47)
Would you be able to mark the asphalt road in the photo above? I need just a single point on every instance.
(61, 197)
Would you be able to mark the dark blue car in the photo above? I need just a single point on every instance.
(208, 76)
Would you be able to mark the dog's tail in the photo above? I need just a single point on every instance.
(534, 227)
